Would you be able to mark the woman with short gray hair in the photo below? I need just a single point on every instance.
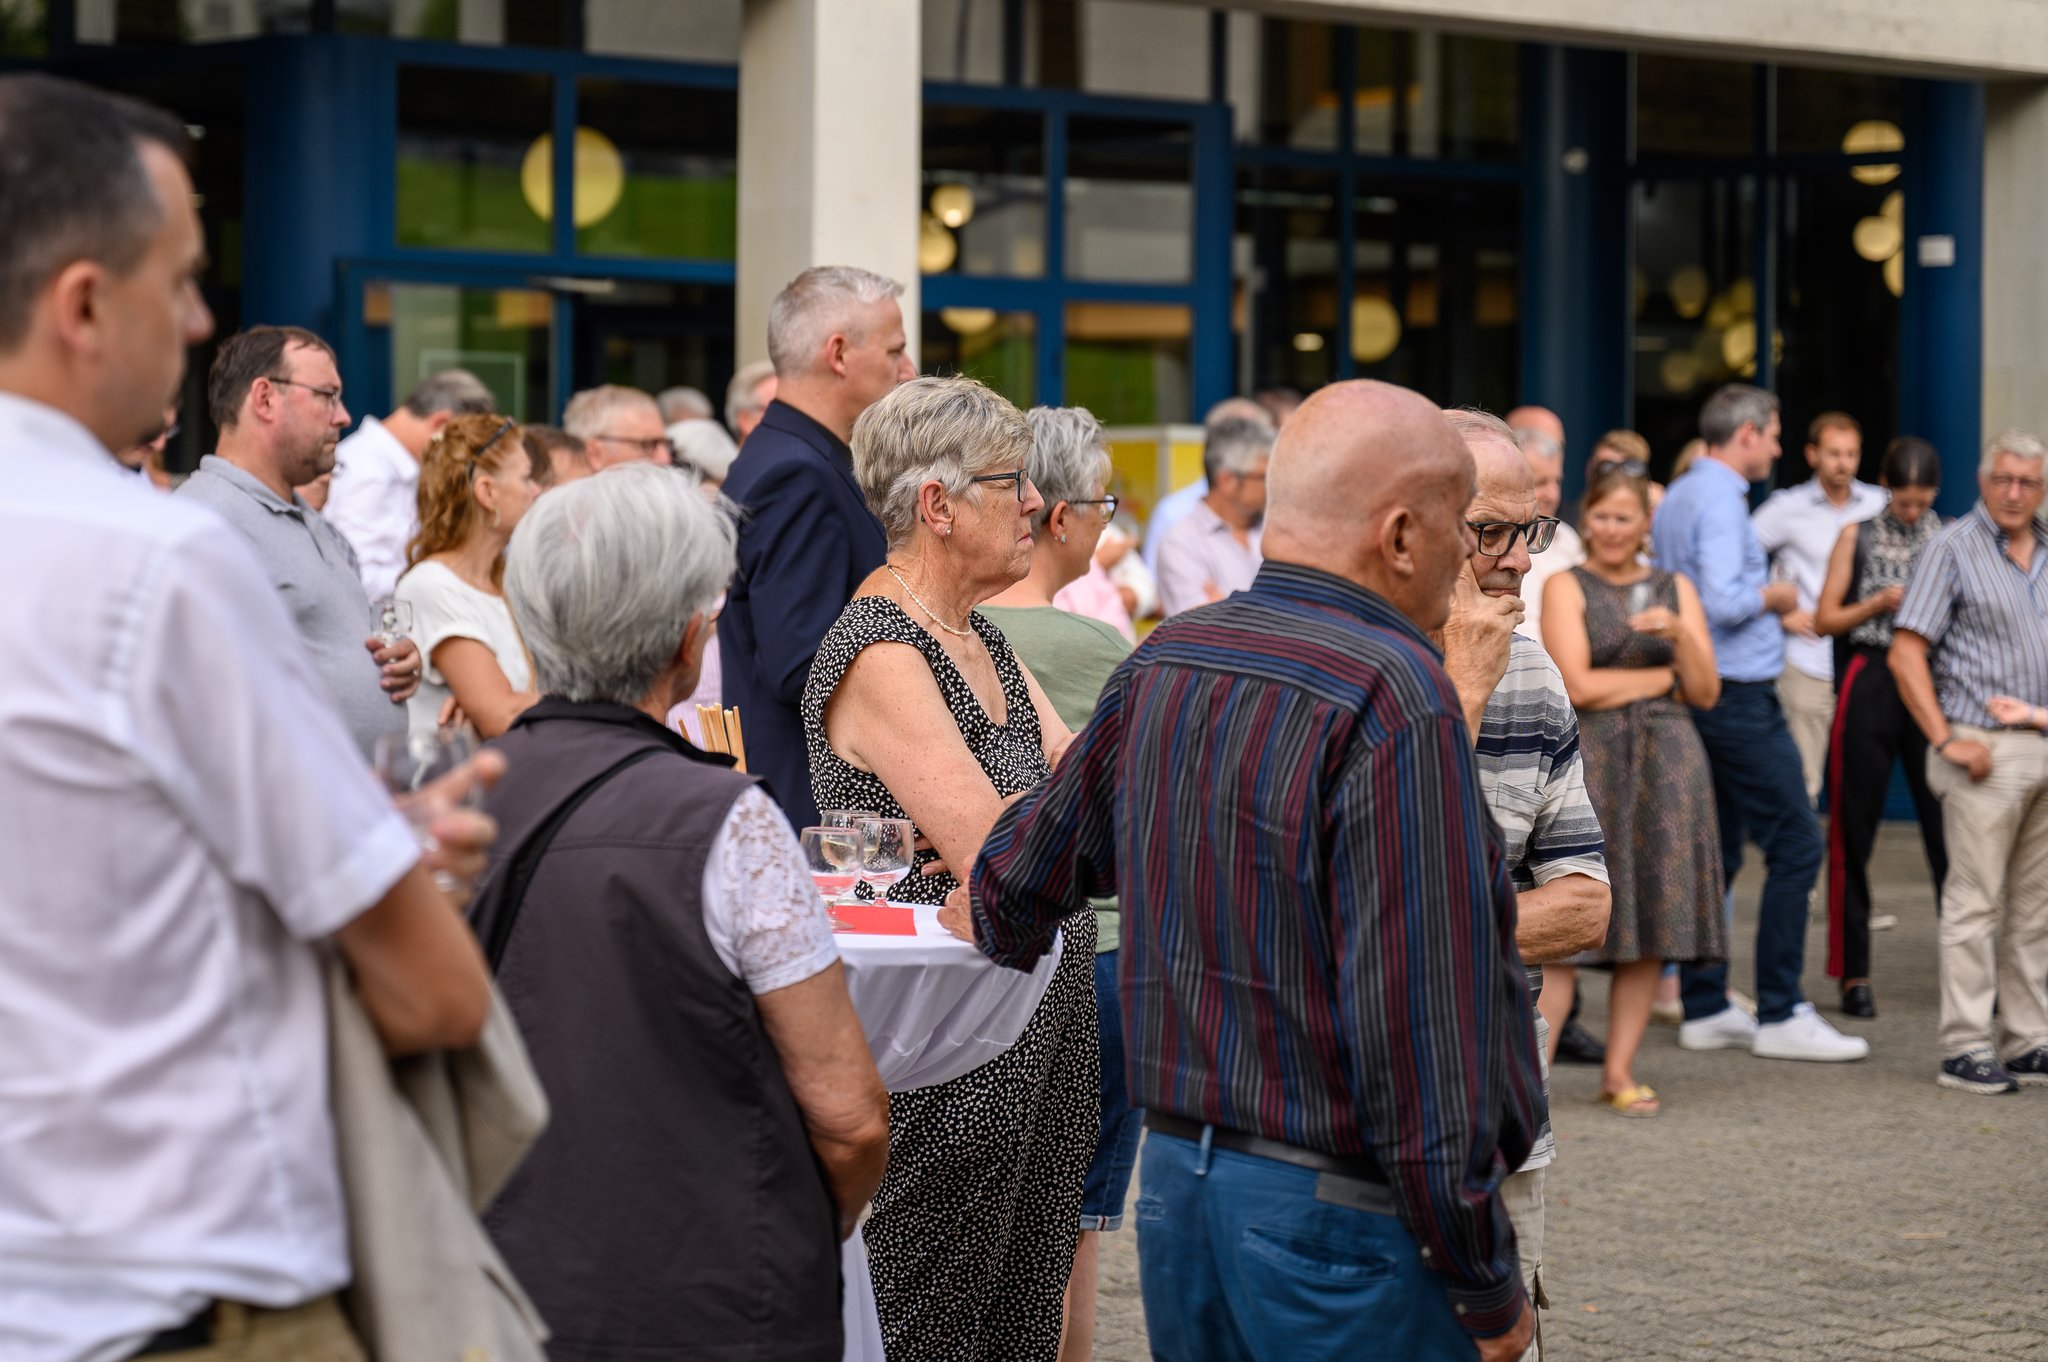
(645, 892)
(918, 708)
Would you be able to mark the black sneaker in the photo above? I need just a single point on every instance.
(1577, 1045)
(2031, 1068)
(1977, 1072)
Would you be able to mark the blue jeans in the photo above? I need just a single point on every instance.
(1760, 789)
(1116, 1136)
(1238, 1261)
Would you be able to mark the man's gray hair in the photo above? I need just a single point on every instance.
(591, 410)
(1730, 408)
(943, 430)
(822, 300)
(603, 575)
(702, 447)
(1235, 409)
(455, 391)
(683, 404)
(1234, 444)
(1473, 424)
(741, 395)
(1068, 459)
(2017, 444)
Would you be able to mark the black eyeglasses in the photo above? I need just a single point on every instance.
(1497, 537)
(1108, 505)
(328, 395)
(1016, 477)
(1634, 468)
(651, 447)
(496, 435)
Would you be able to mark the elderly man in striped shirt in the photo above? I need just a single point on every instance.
(1325, 1017)
(1972, 631)
(1526, 740)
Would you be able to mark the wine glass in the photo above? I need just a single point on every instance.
(887, 846)
(394, 620)
(1641, 597)
(409, 762)
(844, 818)
(833, 855)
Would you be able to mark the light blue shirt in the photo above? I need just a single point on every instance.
(1703, 531)
(1171, 510)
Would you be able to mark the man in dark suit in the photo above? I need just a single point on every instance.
(807, 538)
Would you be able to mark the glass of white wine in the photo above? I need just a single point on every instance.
(833, 856)
(887, 847)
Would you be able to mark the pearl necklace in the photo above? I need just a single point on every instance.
(930, 613)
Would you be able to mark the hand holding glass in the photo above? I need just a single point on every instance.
(394, 620)
(408, 763)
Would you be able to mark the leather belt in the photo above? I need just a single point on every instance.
(1363, 1167)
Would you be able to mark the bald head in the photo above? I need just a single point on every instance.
(1541, 434)
(1369, 482)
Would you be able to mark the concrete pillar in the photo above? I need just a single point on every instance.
(2016, 257)
(830, 149)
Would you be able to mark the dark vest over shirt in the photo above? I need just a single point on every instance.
(673, 1208)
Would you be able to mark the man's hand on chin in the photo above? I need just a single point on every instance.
(1476, 639)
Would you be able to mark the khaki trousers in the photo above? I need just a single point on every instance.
(1809, 705)
(1523, 1195)
(1994, 904)
(314, 1332)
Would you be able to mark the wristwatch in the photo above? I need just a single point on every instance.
(1944, 743)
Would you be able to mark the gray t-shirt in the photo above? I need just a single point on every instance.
(314, 571)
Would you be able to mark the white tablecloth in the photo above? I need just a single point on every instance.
(933, 1008)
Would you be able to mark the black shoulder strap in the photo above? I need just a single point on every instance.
(519, 871)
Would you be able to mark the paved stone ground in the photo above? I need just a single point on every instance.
(1820, 1212)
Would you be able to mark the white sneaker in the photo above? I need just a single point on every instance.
(1883, 922)
(1803, 1035)
(1729, 1029)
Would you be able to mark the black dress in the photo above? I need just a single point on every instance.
(973, 1230)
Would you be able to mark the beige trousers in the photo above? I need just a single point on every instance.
(1523, 1195)
(1994, 905)
(314, 1332)
(1809, 705)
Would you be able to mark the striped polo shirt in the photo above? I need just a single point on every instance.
(1984, 617)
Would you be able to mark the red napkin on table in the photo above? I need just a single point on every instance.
(877, 919)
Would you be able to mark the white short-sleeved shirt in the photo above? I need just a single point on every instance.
(1798, 527)
(182, 814)
(374, 502)
(444, 607)
(761, 907)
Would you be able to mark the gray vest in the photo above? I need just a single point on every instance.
(673, 1207)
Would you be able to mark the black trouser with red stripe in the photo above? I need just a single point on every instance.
(1872, 729)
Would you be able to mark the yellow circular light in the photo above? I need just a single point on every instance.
(1895, 275)
(953, 204)
(1877, 238)
(1375, 329)
(1738, 344)
(936, 248)
(1894, 206)
(968, 321)
(1679, 371)
(1869, 136)
(1742, 297)
(1689, 288)
(1308, 342)
(600, 177)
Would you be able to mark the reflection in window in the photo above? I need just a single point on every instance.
(673, 30)
(24, 28)
(1290, 89)
(500, 335)
(1829, 111)
(651, 336)
(1139, 47)
(1130, 200)
(1128, 362)
(982, 197)
(1686, 106)
(999, 348)
(1435, 291)
(489, 23)
(1841, 251)
(963, 40)
(1695, 301)
(1287, 253)
(463, 138)
(656, 170)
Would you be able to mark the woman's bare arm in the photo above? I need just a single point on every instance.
(479, 686)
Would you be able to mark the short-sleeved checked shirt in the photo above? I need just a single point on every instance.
(1984, 617)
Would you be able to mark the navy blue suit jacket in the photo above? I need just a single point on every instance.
(806, 540)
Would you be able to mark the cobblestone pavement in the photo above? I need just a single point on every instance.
(1820, 1212)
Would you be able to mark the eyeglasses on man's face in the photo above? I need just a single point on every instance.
(1015, 477)
(1108, 503)
(650, 446)
(1634, 468)
(1497, 537)
(328, 396)
(2013, 482)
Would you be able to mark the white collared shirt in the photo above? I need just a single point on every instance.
(1797, 527)
(1201, 560)
(1566, 552)
(181, 815)
(374, 502)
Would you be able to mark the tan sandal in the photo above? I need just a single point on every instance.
(1638, 1100)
